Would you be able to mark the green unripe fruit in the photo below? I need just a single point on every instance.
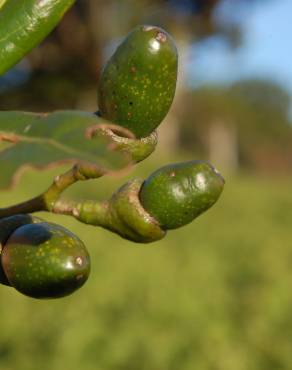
(138, 83)
(45, 260)
(176, 194)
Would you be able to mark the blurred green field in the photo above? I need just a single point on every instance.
(213, 295)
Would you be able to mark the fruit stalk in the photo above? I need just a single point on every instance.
(47, 200)
(136, 149)
(140, 211)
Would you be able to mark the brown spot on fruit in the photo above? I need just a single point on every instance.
(161, 37)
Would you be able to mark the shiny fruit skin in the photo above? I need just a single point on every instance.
(177, 193)
(45, 260)
(7, 226)
(137, 85)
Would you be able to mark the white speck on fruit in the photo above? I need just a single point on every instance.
(200, 182)
(148, 28)
(154, 46)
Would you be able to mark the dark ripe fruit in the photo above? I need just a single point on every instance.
(138, 83)
(176, 194)
(45, 260)
(7, 226)
(3, 278)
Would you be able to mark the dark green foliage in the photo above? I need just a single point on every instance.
(45, 260)
(176, 194)
(138, 83)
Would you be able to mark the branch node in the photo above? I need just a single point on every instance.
(75, 212)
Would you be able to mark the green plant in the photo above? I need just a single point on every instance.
(176, 194)
(135, 92)
(43, 260)
(137, 85)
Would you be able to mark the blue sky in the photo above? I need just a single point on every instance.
(266, 51)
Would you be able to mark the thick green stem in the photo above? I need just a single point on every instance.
(80, 172)
(89, 211)
(33, 205)
(122, 214)
(125, 142)
(48, 200)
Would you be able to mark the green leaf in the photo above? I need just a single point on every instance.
(40, 140)
(24, 24)
(2, 2)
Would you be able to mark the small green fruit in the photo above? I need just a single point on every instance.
(138, 83)
(176, 194)
(45, 260)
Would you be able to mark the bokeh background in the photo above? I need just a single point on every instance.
(216, 294)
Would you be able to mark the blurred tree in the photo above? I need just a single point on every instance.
(247, 124)
(63, 71)
(91, 28)
(258, 92)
